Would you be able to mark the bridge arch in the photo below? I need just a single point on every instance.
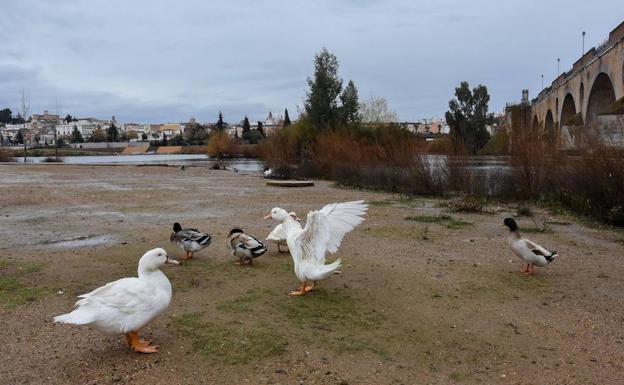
(549, 126)
(581, 95)
(567, 111)
(601, 95)
(535, 124)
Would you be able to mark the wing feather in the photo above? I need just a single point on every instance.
(325, 228)
(537, 249)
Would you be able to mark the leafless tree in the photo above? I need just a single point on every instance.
(376, 110)
(24, 111)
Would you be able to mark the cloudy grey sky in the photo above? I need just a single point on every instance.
(154, 61)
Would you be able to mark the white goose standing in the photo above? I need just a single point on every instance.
(322, 233)
(278, 235)
(126, 305)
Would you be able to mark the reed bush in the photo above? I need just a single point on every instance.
(5, 155)
(592, 184)
(220, 145)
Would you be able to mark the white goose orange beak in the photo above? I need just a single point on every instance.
(268, 216)
(172, 261)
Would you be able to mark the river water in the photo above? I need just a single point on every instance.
(485, 172)
(248, 165)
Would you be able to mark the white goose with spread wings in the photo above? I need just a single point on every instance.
(323, 233)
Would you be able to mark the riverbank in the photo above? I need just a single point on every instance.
(426, 294)
(242, 151)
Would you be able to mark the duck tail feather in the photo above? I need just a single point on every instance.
(552, 256)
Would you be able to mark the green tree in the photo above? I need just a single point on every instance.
(195, 133)
(6, 116)
(143, 136)
(176, 140)
(246, 126)
(76, 135)
(246, 134)
(287, 121)
(112, 133)
(220, 124)
(321, 104)
(468, 116)
(19, 137)
(18, 119)
(260, 129)
(69, 118)
(350, 104)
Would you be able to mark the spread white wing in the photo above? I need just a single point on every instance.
(326, 227)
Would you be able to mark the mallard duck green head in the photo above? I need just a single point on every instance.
(511, 223)
(177, 227)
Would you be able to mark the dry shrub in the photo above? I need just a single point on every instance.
(442, 146)
(390, 161)
(5, 155)
(467, 204)
(220, 145)
(280, 151)
(592, 184)
(531, 161)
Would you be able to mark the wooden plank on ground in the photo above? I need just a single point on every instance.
(290, 183)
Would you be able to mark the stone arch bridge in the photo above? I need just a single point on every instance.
(582, 100)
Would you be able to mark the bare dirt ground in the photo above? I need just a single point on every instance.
(417, 303)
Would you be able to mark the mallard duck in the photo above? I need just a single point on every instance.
(278, 235)
(244, 246)
(322, 233)
(530, 252)
(189, 240)
(128, 304)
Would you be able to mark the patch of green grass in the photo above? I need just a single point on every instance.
(332, 316)
(380, 203)
(232, 344)
(536, 230)
(443, 220)
(13, 292)
(244, 303)
(330, 311)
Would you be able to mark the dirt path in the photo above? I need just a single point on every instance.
(416, 303)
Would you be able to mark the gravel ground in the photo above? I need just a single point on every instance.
(416, 303)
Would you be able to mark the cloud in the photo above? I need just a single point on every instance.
(170, 60)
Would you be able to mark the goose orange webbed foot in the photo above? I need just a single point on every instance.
(301, 291)
(138, 345)
(309, 288)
